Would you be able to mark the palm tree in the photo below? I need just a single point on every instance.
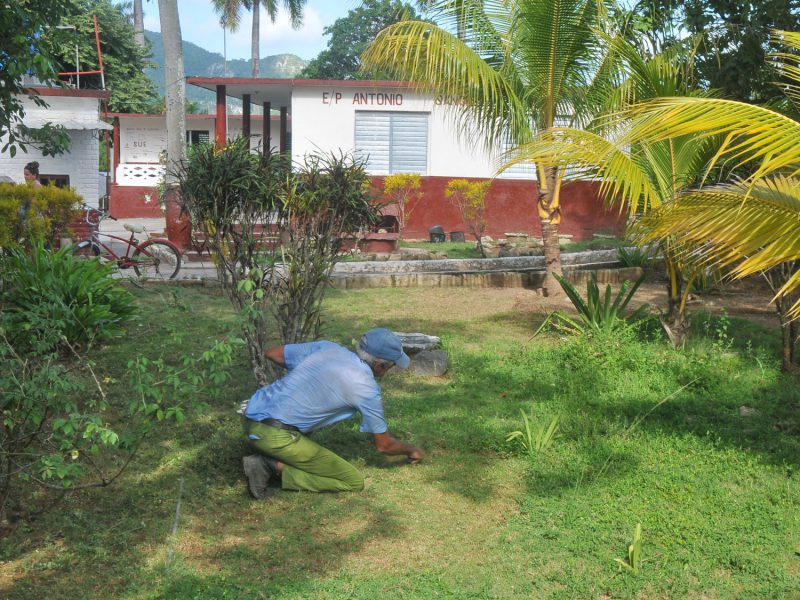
(752, 225)
(638, 176)
(516, 69)
(229, 11)
(175, 97)
(138, 22)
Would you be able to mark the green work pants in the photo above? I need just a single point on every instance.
(307, 465)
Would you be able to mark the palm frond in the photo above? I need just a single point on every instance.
(439, 63)
(585, 155)
(751, 133)
(750, 228)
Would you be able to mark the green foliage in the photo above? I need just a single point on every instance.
(124, 60)
(737, 39)
(274, 234)
(55, 428)
(601, 313)
(49, 139)
(469, 198)
(636, 256)
(404, 190)
(350, 36)
(35, 214)
(52, 300)
(633, 563)
(535, 438)
(30, 45)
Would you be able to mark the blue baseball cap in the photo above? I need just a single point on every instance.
(385, 344)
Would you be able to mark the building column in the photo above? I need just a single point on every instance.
(266, 132)
(246, 118)
(284, 129)
(220, 129)
(116, 151)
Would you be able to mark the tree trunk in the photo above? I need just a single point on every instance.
(550, 217)
(254, 47)
(138, 23)
(175, 90)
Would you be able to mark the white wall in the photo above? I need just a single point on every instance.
(143, 138)
(80, 163)
(323, 119)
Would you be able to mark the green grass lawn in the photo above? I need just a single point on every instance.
(717, 493)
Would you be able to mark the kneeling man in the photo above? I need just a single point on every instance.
(326, 384)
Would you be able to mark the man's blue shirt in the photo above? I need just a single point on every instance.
(326, 384)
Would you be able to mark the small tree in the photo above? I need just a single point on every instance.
(274, 235)
(469, 197)
(404, 190)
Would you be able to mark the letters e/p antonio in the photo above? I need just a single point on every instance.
(365, 98)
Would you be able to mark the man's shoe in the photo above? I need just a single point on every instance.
(258, 476)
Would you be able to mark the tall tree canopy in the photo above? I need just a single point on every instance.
(350, 36)
(124, 60)
(735, 39)
(29, 47)
(737, 43)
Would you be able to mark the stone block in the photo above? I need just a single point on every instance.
(429, 362)
(416, 342)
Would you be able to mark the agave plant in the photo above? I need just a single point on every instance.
(598, 313)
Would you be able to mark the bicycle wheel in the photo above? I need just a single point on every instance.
(157, 259)
(86, 249)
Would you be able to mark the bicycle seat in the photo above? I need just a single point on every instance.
(133, 228)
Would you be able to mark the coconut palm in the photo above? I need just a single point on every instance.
(517, 68)
(230, 17)
(637, 176)
(753, 225)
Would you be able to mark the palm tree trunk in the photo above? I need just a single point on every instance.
(550, 218)
(175, 89)
(254, 47)
(138, 23)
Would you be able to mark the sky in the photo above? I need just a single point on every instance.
(200, 25)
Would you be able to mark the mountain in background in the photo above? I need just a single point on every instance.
(198, 62)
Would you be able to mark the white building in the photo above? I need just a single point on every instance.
(394, 127)
(78, 112)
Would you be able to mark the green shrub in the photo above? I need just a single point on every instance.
(51, 299)
(29, 214)
(600, 313)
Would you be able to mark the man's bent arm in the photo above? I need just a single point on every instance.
(276, 355)
(386, 444)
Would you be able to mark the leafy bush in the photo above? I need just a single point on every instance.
(601, 313)
(469, 197)
(274, 235)
(404, 190)
(55, 426)
(51, 299)
(29, 214)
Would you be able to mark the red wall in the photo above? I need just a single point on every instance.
(511, 207)
(128, 202)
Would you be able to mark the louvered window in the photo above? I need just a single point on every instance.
(392, 142)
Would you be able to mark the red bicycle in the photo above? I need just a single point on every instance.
(154, 258)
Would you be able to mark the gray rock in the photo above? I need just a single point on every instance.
(429, 362)
(416, 342)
